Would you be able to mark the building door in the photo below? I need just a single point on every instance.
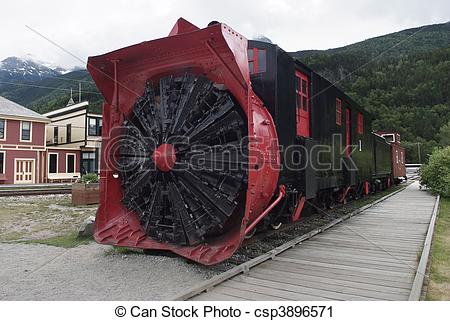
(23, 171)
(302, 104)
(348, 131)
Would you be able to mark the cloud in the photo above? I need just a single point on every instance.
(90, 27)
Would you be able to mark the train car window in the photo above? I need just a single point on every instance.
(338, 111)
(301, 89)
(250, 67)
(360, 126)
(389, 138)
(250, 55)
(304, 95)
(251, 61)
(261, 60)
(257, 62)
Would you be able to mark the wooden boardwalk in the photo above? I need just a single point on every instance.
(371, 256)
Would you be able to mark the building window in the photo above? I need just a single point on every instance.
(360, 124)
(338, 111)
(89, 162)
(26, 131)
(257, 60)
(2, 162)
(94, 126)
(70, 163)
(53, 163)
(69, 133)
(92, 131)
(55, 135)
(2, 128)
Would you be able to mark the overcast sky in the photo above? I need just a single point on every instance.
(91, 27)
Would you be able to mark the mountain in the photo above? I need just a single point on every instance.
(338, 63)
(402, 78)
(43, 87)
(18, 69)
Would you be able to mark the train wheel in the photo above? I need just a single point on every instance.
(251, 234)
(332, 204)
(276, 226)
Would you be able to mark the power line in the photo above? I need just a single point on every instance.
(81, 60)
(44, 87)
(70, 79)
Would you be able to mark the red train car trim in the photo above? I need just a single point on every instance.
(219, 53)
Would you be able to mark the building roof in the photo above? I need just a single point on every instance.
(67, 109)
(10, 109)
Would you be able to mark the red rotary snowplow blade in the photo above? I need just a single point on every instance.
(167, 102)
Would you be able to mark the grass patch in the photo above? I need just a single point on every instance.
(66, 241)
(439, 282)
(122, 250)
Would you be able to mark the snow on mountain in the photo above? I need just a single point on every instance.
(28, 68)
(33, 58)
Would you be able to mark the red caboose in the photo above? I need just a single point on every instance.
(397, 155)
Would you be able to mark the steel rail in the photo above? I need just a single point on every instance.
(37, 191)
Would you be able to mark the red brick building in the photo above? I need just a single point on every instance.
(22, 144)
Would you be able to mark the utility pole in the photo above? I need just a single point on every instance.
(79, 92)
(418, 152)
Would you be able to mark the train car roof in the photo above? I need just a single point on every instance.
(303, 67)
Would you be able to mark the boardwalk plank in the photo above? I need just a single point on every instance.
(371, 256)
(403, 283)
(319, 281)
(327, 290)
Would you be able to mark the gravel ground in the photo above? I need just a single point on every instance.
(40, 216)
(86, 272)
(92, 272)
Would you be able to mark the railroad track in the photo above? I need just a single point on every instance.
(265, 240)
(351, 276)
(35, 191)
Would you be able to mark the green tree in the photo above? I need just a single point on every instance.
(444, 135)
(436, 173)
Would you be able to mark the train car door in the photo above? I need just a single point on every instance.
(302, 104)
(348, 130)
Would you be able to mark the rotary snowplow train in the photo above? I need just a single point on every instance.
(207, 136)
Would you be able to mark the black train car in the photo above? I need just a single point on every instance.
(382, 163)
(327, 137)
